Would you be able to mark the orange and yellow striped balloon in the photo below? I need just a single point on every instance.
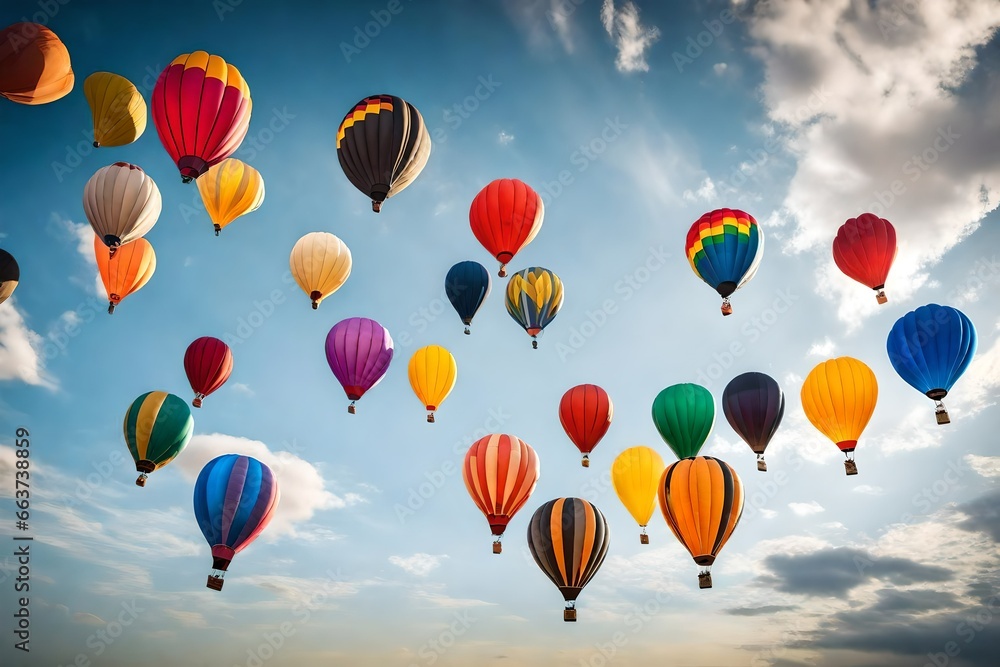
(230, 189)
(500, 472)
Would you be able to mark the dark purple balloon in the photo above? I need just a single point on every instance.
(754, 404)
(359, 351)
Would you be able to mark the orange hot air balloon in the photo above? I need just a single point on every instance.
(838, 397)
(701, 499)
(505, 216)
(131, 267)
(34, 65)
(500, 472)
(201, 109)
(585, 412)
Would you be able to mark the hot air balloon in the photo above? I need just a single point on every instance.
(127, 271)
(157, 427)
(701, 499)
(359, 351)
(754, 405)
(234, 499)
(10, 274)
(34, 65)
(201, 110)
(585, 413)
(505, 216)
(321, 264)
(724, 248)
(230, 189)
(864, 249)
(122, 204)
(467, 286)
(382, 145)
(684, 414)
(534, 296)
(500, 472)
(432, 372)
(635, 475)
(930, 348)
(208, 363)
(568, 538)
(117, 107)
(838, 397)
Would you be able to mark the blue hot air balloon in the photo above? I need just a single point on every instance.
(467, 286)
(930, 348)
(234, 499)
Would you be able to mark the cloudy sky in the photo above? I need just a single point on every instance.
(631, 119)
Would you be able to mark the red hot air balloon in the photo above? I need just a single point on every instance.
(864, 250)
(585, 412)
(505, 216)
(201, 109)
(208, 363)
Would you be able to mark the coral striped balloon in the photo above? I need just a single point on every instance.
(359, 351)
(585, 413)
(500, 472)
(505, 216)
(208, 363)
(201, 109)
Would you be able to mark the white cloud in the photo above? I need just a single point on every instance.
(976, 390)
(448, 602)
(21, 349)
(243, 388)
(503, 138)
(867, 110)
(768, 514)
(823, 348)
(419, 564)
(302, 487)
(631, 38)
(705, 192)
(869, 490)
(917, 430)
(559, 13)
(538, 20)
(805, 509)
(720, 68)
(987, 466)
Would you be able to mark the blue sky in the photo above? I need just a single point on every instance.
(803, 114)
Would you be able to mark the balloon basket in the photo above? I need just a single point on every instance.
(97, 144)
(497, 547)
(585, 462)
(217, 230)
(942, 415)
(851, 467)
(727, 308)
(467, 332)
(761, 465)
(704, 580)
(141, 481)
(503, 271)
(430, 417)
(351, 410)
(111, 308)
(881, 297)
(643, 538)
(376, 206)
(569, 615)
(534, 345)
(196, 402)
(215, 583)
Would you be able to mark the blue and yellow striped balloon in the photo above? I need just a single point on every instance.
(157, 427)
(534, 296)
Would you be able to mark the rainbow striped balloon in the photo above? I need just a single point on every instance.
(724, 248)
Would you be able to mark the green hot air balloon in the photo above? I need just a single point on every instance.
(684, 414)
(157, 427)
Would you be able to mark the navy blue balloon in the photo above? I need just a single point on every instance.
(930, 348)
(467, 286)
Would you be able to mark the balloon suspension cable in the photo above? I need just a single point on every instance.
(217, 230)
(430, 417)
(467, 332)
(643, 537)
(376, 206)
(881, 297)
(142, 480)
(727, 308)
(351, 409)
(569, 613)
(705, 579)
(940, 413)
(111, 307)
(585, 462)
(761, 464)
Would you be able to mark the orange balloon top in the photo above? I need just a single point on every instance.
(34, 65)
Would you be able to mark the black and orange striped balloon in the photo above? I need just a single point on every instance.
(702, 500)
(568, 538)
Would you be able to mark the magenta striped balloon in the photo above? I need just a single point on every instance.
(359, 351)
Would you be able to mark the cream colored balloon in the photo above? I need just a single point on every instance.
(320, 264)
(122, 203)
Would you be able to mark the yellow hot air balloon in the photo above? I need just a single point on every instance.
(635, 475)
(130, 268)
(117, 107)
(432, 376)
(839, 397)
(320, 264)
(230, 189)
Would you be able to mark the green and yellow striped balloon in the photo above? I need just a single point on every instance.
(157, 427)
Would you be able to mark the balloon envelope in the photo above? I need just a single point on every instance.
(432, 372)
(724, 248)
(500, 472)
(208, 363)
(534, 297)
(358, 350)
(34, 65)
(864, 250)
(585, 412)
(382, 146)
(754, 405)
(684, 415)
(229, 190)
(122, 203)
(467, 285)
(235, 498)
(321, 263)
(635, 475)
(838, 397)
(127, 271)
(117, 107)
(505, 216)
(10, 275)
(157, 427)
